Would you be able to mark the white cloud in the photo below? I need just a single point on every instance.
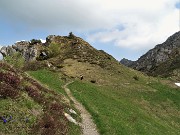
(145, 22)
(20, 41)
(145, 25)
(43, 41)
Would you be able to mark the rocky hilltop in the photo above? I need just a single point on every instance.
(56, 49)
(163, 59)
(28, 50)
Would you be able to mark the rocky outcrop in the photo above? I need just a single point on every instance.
(28, 51)
(126, 62)
(161, 58)
(59, 48)
(36, 50)
(7, 51)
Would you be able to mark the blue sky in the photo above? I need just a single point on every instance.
(123, 28)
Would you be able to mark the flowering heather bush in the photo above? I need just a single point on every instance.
(10, 79)
(32, 92)
(8, 91)
(50, 125)
(52, 121)
(8, 82)
(56, 108)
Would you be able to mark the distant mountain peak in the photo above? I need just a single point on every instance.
(160, 59)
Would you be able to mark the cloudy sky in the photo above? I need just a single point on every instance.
(123, 28)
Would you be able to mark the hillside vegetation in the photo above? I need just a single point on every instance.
(121, 100)
(152, 110)
(27, 107)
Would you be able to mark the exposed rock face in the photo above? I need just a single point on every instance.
(7, 51)
(161, 58)
(28, 51)
(50, 38)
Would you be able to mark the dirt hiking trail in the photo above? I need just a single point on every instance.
(87, 125)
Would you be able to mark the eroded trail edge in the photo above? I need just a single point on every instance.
(87, 125)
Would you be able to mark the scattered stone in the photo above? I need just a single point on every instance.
(93, 81)
(81, 77)
(72, 111)
(178, 84)
(71, 119)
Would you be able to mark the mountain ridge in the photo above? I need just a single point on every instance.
(165, 54)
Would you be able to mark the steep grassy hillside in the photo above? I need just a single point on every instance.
(132, 108)
(55, 81)
(27, 107)
(121, 100)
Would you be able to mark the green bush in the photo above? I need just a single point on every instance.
(54, 49)
(35, 41)
(16, 60)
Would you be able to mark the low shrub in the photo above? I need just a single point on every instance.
(10, 79)
(93, 81)
(17, 60)
(34, 65)
(8, 91)
(135, 77)
(35, 41)
(56, 108)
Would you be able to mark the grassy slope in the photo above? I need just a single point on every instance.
(123, 110)
(52, 80)
(30, 108)
(129, 110)
(19, 109)
(49, 79)
(122, 105)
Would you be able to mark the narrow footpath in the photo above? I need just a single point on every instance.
(87, 125)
